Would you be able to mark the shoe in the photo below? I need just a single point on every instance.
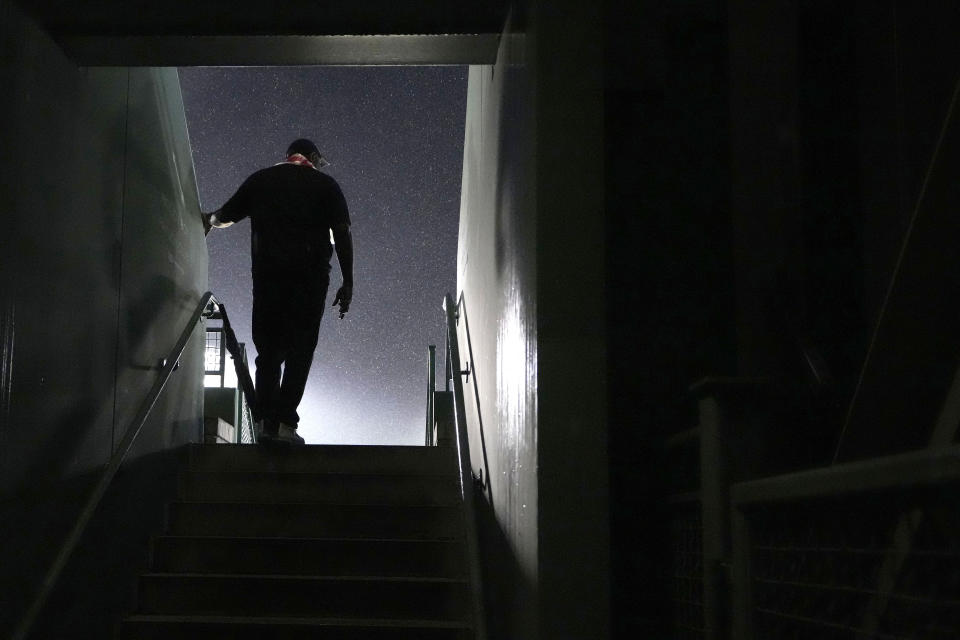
(267, 430)
(286, 433)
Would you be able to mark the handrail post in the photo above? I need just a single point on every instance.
(466, 473)
(448, 371)
(431, 388)
(714, 477)
(741, 592)
(717, 471)
(223, 358)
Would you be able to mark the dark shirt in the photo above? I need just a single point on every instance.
(292, 209)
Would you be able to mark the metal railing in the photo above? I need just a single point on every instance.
(860, 550)
(239, 355)
(466, 474)
(684, 572)
(867, 549)
(247, 431)
(431, 391)
(208, 307)
(215, 358)
(168, 365)
(246, 427)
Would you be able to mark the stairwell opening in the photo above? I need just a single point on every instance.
(394, 138)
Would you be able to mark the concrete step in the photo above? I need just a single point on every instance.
(357, 488)
(151, 627)
(308, 556)
(324, 458)
(304, 596)
(317, 520)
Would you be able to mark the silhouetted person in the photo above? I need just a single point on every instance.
(293, 209)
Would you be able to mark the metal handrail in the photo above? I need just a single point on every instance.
(920, 469)
(466, 473)
(239, 358)
(431, 389)
(245, 426)
(168, 365)
(246, 414)
(247, 420)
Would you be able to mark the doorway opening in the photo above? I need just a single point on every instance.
(394, 138)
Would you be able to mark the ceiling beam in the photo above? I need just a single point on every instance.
(65, 18)
(251, 50)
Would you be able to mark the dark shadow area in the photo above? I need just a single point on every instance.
(140, 311)
(62, 285)
(764, 162)
(32, 525)
(98, 585)
(98, 582)
(670, 315)
(505, 587)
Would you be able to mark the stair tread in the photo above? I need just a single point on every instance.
(315, 519)
(318, 622)
(324, 503)
(307, 555)
(327, 452)
(414, 448)
(252, 549)
(304, 578)
(320, 472)
(319, 487)
(300, 539)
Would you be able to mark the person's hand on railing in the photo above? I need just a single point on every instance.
(343, 298)
(212, 219)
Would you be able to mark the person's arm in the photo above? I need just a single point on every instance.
(234, 210)
(343, 245)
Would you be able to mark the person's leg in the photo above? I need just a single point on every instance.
(296, 370)
(268, 389)
(302, 331)
(268, 339)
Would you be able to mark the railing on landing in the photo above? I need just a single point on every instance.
(862, 550)
(431, 395)
(865, 549)
(220, 341)
(208, 307)
(247, 431)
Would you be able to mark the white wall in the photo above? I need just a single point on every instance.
(496, 276)
(531, 271)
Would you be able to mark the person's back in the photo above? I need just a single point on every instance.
(294, 209)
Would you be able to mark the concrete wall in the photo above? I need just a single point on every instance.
(496, 275)
(908, 159)
(530, 270)
(572, 411)
(103, 259)
(670, 283)
(842, 145)
(797, 226)
(763, 173)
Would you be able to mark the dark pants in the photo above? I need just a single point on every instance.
(287, 308)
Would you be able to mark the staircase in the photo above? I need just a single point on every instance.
(332, 542)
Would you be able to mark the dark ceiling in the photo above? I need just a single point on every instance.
(287, 32)
(256, 17)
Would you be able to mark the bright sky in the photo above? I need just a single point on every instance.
(394, 136)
